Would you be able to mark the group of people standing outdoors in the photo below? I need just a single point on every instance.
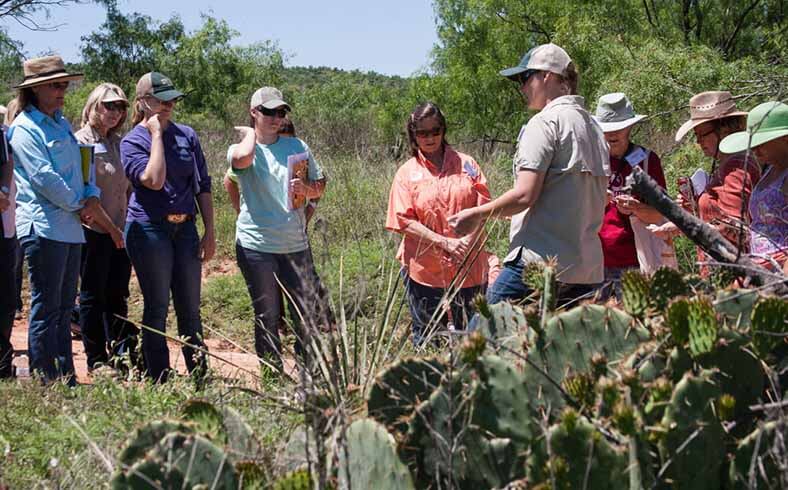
(138, 209)
(571, 199)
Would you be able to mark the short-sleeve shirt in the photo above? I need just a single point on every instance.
(423, 193)
(265, 222)
(566, 144)
(618, 239)
(48, 172)
(187, 173)
(110, 177)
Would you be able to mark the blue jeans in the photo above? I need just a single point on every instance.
(423, 301)
(510, 286)
(8, 296)
(612, 284)
(103, 294)
(166, 258)
(54, 270)
(296, 272)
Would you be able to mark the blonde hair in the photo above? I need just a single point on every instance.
(89, 115)
(11, 112)
(24, 97)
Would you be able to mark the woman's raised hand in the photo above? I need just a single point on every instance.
(153, 124)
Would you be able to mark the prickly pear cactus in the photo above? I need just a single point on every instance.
(703, 325)
(146, 437)
(503, 323)
(474, 431)
(769, 324)
(756, 462)
(372, 460)
(400, 388)
(735, 306)
(635, 291)
(666, 284)
(694, 440)
(572, 340)
(198, 459)
(224, 425)
(148, 473)
(677, 320)
(578, 457)
(251, 475)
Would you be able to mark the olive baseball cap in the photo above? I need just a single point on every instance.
(268, 97)
(765, 122)
(157, 85)
(545, 57)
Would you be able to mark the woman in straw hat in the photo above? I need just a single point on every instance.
(767, 136)
(723, 203)
(169, 180)
(106, 269)
(561, 171)
(616, 116)
(52, 197)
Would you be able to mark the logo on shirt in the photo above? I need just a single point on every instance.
(470, 170)
(183, 148)
(416, 175)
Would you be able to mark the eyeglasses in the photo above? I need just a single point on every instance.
(59, 85)
(426, 133)
(280, 113)
(118, 106)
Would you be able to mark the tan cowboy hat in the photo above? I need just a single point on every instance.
(708, 106)
(39, 71)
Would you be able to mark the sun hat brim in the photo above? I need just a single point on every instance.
(738, 142)
(63, 77)
(693, 123)
(609, 127)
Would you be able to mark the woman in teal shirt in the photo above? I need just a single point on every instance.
(52, 202)
(271, 242)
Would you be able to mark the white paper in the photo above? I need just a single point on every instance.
(700, 179)
(635, 157)
(9, 215)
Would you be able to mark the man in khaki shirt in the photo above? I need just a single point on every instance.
(561, 172)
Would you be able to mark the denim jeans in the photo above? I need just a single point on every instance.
(424, 300)
(510, 286)
(53, 270)
(104, 292)
(8, 293)
(612, 284)
(296, 272)
(166, 258)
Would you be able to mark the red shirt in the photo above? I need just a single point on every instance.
(618, 240)
(420, 192)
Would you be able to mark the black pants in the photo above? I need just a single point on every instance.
(104, 293)
(8, 297)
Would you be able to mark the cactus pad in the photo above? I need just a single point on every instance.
(372, 460)
(666, 284)
(702, 323)
(769, 324)
(635, 293)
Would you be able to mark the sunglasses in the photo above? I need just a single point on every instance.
(524, 76)
(426, 133)
(280, 113)
(59, 85)
(117, 106)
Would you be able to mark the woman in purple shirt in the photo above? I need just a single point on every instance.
(169, 178)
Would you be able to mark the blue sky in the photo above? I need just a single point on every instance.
(392, 37)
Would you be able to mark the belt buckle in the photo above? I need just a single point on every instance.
(177, 218)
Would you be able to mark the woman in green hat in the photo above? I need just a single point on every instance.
(767, 135)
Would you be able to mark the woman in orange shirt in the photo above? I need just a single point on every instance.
(438, 266)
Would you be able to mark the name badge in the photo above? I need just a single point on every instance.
(472, 172)
(636, 156)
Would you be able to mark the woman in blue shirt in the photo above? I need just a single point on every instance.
(169, 178)
(53, 199)
(276, 175)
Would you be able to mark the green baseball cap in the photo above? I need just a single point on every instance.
(157, 85)
(765, 122)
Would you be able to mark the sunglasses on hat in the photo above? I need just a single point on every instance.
(280, 113)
